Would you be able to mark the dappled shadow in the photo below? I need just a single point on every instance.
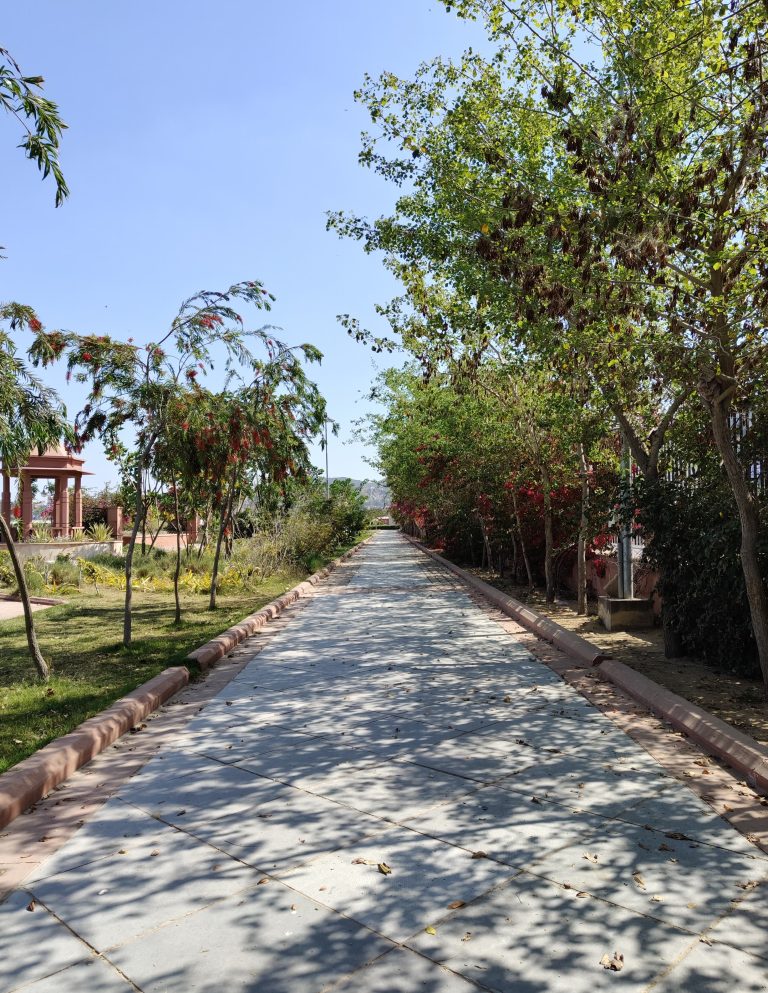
(393, 768)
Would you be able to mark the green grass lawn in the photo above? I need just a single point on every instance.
(91, 669)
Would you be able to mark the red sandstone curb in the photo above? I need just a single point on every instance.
(213, 651)
(33, 778)
(710, 733)
(572, 644)
(49, 601)
(717, 737)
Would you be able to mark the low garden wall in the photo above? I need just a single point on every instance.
(50, 550)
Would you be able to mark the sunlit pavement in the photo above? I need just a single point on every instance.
(392, 797)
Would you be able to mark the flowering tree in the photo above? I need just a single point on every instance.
(217, 446)
(132, 387)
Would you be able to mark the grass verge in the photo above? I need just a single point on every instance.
(91, 669)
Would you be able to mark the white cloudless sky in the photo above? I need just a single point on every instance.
(206, 142)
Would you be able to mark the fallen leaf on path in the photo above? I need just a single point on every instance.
(615, 964)
(677, 836)
(535, 799)
(467, 936)
(364, 862)
(581, 894)
(384, 869)
(154, 854)
(590, 857)
(665, 848)
(31, 906)
(479, 855)
(638, 880)
(750, 885)
(430, 930)
(456, 904)
(262, 881)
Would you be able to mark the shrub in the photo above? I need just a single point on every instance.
(63, 572)
(99, 532)
(41, 532)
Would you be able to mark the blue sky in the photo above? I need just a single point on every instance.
(205, 144)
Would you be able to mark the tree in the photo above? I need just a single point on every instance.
(597, 190)
(217, 447)
(31, 417)
(670, 127)
(132, 387)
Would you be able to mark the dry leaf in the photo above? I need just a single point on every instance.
(750, 885)
(154, 854)
(677, 836)
(263, 880)
(364, 862)
(590, 857)
(384, 869)
(638, 880)
(430, 930)
(535, 799)
(467, 936)
(31, 906)
(456, 904)
(657, 899)
(705, 940)
(665, 848)
(479, 855)
(581, 894)
(615, 964)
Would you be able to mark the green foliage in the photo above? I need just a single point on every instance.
(693, 542)
(21, 96)
(99, 532)
(7, 575)
(41, 532)
(63, 572)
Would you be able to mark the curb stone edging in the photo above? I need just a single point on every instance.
(579, 649)
(213, 651)
(710, 733)
(717, 737)
(34, 777)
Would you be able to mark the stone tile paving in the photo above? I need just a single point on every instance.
(394, 796)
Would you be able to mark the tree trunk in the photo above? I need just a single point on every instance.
(34, 648)
(219, 539)
(746, 505)
(177, 570)
(523, 549)
(549, 575)
(138, 516)
(581, 552)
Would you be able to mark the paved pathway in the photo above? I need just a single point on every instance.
(392, 797)
(15, 608)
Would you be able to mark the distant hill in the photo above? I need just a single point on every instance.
(376, 492)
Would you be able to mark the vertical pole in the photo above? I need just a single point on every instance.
(26, 505)
(327, 477)
(79, 505)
